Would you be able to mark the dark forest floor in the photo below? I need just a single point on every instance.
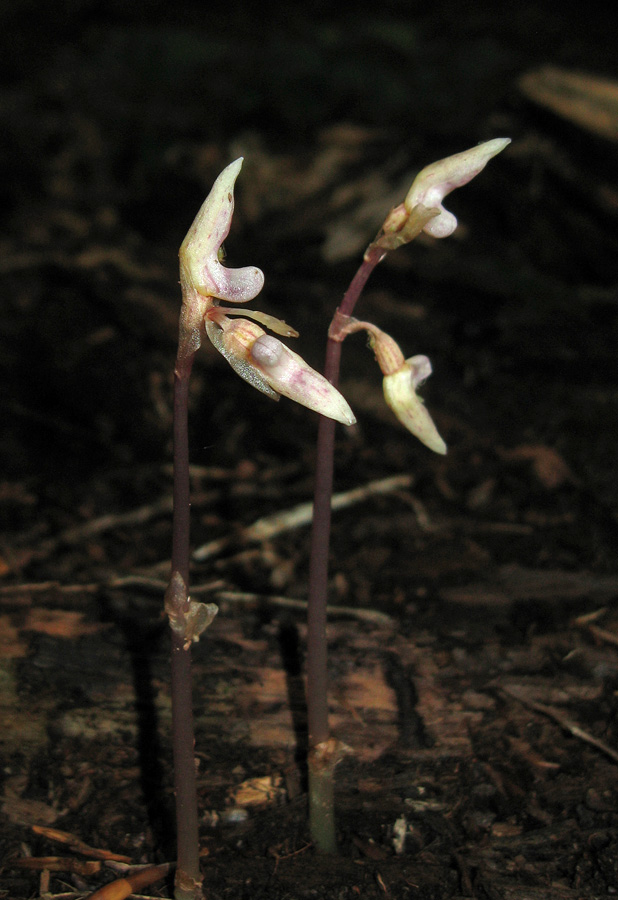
(474, 644)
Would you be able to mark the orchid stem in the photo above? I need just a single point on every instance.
(188, 879)
(320, 765)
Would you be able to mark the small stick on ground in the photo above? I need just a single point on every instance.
(288, 519)
(567, 724)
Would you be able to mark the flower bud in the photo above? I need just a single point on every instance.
(435, 181)
(188, 618)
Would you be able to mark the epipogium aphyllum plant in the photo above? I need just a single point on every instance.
(270, 366)
(422, 210)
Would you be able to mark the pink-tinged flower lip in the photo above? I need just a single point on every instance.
(271, 367)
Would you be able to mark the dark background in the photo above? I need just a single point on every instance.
(115, 119)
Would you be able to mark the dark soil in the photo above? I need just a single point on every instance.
(474, 644)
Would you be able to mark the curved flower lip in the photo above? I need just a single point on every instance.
(400, 394)
(435, 181)
(199, 260)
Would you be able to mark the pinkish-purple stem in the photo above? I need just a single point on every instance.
(321, 811)
(188, 877)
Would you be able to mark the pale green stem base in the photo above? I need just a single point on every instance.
(323, 758)
(322, 808)
(191, 891)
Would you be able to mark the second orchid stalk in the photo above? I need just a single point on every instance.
(422, 210)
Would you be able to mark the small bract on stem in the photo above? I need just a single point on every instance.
(422, 210)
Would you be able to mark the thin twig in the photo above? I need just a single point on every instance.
(602, 634)
(261, 530)
(86, 530)
(77, 534)
(75, 843)
(124, 887)
(567, 724)
(586, 618)
(587, 621)
(216, 588)
(289, 519)
(363, 615)
(131, 582)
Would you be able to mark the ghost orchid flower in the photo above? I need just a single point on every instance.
(422, 209)
(401, 379)
(400, 394)
(204, 281)
(435, 181)
(262, 360)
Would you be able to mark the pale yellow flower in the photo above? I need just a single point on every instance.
(401, 379)
(400, 394)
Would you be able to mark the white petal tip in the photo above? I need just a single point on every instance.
(347, 419)
(496, 145)
(438, 447)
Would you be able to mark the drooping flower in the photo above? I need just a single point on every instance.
(262, 360)
(401, 379)
(400, 394)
